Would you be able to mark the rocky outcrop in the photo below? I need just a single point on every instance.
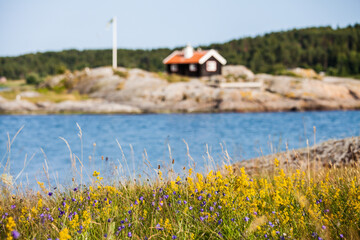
(143, 91)
(332, 153)
(87, 106)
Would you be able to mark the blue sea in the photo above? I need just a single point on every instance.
(145, 140)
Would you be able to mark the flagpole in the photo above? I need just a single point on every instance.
(114, 53)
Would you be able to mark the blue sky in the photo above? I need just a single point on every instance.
(48, 25)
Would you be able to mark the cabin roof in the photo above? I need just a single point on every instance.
(177, 57)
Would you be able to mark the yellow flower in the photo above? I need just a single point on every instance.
(160, 175)
(276, 162)
(190, 171)
(64, 234)
(167, 224)
(10, 226)
(95, 174)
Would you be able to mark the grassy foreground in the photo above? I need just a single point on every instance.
(278, 205)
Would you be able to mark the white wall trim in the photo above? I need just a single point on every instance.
(212, 53)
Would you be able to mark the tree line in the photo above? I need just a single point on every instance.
(334, 51)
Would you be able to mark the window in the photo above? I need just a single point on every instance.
(173, 67)
(192, 67)
(211, 66)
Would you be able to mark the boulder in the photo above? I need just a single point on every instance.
(17, 106)
(238, 71)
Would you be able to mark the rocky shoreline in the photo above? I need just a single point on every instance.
(332, 153)
(138, 91)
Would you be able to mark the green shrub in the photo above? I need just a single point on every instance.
(60, 69)
(33, 79)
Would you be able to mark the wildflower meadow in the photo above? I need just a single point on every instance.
(281, 204)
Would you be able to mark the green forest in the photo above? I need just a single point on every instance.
(334, 51)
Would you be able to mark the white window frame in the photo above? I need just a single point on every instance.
(174, 68)
(211, 66)
(192, 67)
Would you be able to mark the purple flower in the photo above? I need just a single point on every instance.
(185, 202)
(136, 202)
(323, 227)
(202, 218)
(199, 197)
(211, 209)
(141, 198)
(233, 219)
(129, 235)
(50, 194)
(247, 199)
(319, 238)
(15, 234)
(129, 211)
(271, 224)
(246, 219)
(255, 213)
(314, 234)
(158, 227)
(75, 189)
(152, 203)
(174, 237)
(341, 236)
(220, 234)
(220, 221)
(105, 235)
(13, 206)
(166, 196)
(190, 208)
(109, 220)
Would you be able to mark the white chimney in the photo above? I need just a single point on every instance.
(188, 51)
